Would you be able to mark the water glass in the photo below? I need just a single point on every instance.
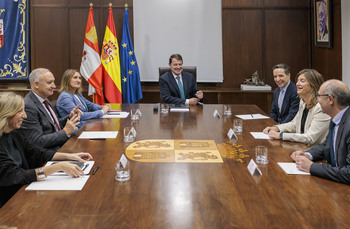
(122, 174)
(238, 125)
(227, 110)
(164, 108)
(128, 134)
(261, 155)
(134, 115)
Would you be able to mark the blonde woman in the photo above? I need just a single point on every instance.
(310, 125)
(71, 96)
(20, 161)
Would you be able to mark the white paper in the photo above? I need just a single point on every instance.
(260, 135)
(121, 114)
(291, 168)
(98, 134)
(179, 109)
(86, 168)
(59, 183)
(252, 116)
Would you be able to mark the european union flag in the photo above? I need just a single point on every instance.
(131, 85)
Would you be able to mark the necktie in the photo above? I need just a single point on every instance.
(280, 100)
(330, 141)
(182, 93)
(52, 116)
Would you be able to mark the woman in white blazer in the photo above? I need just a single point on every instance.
(310, 125)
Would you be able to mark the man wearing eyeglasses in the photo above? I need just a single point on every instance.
(285, 103)
(334, 98)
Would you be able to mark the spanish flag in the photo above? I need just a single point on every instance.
(110, 62)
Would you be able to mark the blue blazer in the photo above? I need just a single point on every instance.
(169, 89)
(342, 146)
(290, 106)
(67, 101)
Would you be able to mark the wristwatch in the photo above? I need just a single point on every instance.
(41, 174)
(281, 135)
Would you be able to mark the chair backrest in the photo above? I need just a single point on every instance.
(189, 69)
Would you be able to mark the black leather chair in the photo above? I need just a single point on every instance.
(189, 69)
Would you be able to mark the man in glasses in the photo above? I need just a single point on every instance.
(285, 103)
(334, 98)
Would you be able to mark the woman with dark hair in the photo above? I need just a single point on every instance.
(71, 96)
(310, 125)
(20, 161)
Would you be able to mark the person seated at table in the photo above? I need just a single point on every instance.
(178, 87)
(21, 161)
(71, 96)
(310, 125)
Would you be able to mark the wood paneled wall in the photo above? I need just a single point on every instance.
(256, 35)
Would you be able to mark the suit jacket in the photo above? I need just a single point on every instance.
(66, 102)
(289, 107)
(170, 91)
(315, 129)
(39, 128)
(342, 146)
(12, 176)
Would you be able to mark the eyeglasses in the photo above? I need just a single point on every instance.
(318, 95)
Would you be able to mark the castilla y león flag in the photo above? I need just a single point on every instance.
(110, 62)
(91, 68)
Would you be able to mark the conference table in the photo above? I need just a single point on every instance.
(185, 195)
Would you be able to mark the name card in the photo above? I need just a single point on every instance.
(133, 132)
(216, 114)
(123, 160)
(138, 112)
(253, 168)
(231, 134)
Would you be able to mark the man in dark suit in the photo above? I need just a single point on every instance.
(334, 98)
(42, 127)
(178, 87)
(285, 103)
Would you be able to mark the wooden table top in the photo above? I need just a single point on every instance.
(184, 195)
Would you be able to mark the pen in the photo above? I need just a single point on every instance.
(95, 170)
(252, 116)
(97, 139)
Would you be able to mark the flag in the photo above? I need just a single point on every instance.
(131, 84)
(91, 68)
(110, 62)
(14, 40)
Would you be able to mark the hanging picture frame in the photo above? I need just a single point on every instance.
(323, 23)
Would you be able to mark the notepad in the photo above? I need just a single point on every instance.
(291, 168)
(98, 134)
(86, 167)
(59, 183)
(116, 114)
(252, 116)
(260, 135)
